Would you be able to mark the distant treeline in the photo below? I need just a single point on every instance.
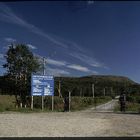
(82, 86)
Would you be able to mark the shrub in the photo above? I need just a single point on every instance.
(137, 98)
(130, 98)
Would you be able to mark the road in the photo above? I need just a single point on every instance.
(87, 123)
(107, 107)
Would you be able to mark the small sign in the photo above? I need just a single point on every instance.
(42, 85)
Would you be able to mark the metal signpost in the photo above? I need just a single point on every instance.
(42, 85)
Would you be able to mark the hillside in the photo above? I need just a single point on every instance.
(102, 83)
(97, 79)
(109, 78)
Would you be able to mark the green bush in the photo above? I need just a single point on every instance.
(130, 98)
(137, 98)
(134, 99)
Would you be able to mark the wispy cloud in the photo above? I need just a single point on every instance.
(78, 67)
(2, 59)
(87, 59)
(66, 65)
(57, 72)
(56, 62)
(90, 2)
(78, 52)
(31, 46)
(51, 61)
(1, 56)
(10, 40)
(7, 15)
(81, 68)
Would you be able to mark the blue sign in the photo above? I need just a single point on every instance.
(42, 85)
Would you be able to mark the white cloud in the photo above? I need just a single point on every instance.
(2, 59)
(55, 62)
(56, 72)
(65, 64)
(81, 68)
(87, 59)
(31, 46)
(90, 2)
(51, 61)
(78, 67)
(9, 40)
(1, 56)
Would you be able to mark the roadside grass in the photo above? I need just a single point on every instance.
(7, 103)
(130, 107)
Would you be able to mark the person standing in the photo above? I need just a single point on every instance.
(122, 100)
(66, 103)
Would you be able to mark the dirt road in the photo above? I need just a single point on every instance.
(87, 123)
(107, 107)
(69, 124)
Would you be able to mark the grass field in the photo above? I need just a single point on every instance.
(7, 103)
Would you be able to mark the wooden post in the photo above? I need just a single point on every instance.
(111, 90)
(32, 103)
(93, 90)
(69, 100)
(21, 105)
(104, 91)
(52, 102)
(59, 89)
(42, 103)
(81, 92)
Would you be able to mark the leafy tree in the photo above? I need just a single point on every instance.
(20, 64)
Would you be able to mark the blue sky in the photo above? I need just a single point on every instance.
(77, 38)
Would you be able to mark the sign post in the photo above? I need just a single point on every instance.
(42, 85)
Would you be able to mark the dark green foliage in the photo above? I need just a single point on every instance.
(130, 98)
(133, 99)
(137, 98)
(20, 64)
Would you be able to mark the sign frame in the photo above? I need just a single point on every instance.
(42, 85)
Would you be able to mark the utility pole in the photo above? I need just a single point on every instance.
(81, 92)
(59, 88)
